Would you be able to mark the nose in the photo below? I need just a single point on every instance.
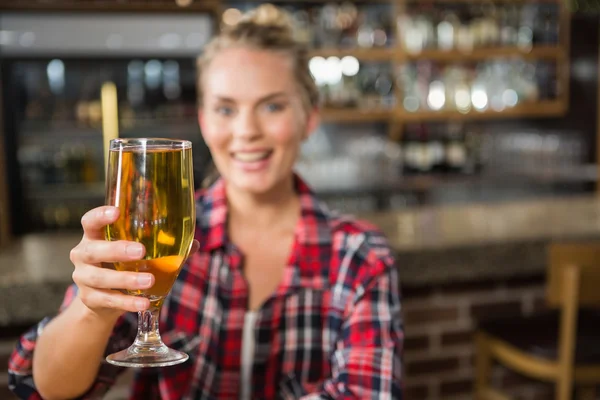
(246, 126)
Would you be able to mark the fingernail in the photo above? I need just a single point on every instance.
(140, 304)
(144, 280)
(134, 250)
(109, 212)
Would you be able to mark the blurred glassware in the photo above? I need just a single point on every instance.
(478, 25)
(495, 85)
(361, 160)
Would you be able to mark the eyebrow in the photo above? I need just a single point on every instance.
(261, 100)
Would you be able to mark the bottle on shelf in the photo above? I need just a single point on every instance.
(302, 27)
(350, 84)
(365, 34)
(436, 149)
(410, 148)
(384, 87)
(478, 25)
(455, 151)
(368, 92)
(420, 153)
(447, 31)
(474, 149)
(546, 25)
(348, 18)
(495, 85)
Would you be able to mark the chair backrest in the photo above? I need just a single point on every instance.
(586, 257)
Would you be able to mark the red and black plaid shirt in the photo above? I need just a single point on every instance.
(331, 330)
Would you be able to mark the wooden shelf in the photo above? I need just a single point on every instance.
(476, 1)
(355, 115)
(540, 109)
(390, 54)
(210, 6)
(541, 52)
(574, 175)
(372, 54)
(424, 183)
(63, 191)
(277, 2)
(393, 1)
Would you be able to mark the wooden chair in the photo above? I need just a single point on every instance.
(560, 346)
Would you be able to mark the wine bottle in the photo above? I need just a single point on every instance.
(474, 150)
(436, 150)
(425, 153)
(410, 147)
(455, 149)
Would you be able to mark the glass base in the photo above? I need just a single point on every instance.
(141, 357)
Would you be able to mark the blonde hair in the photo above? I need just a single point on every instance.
(265, 28)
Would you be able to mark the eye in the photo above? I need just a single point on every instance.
(224, 110)
(274, 107)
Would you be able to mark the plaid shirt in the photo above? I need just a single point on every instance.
(331, 330)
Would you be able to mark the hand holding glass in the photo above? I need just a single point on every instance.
(151, 182)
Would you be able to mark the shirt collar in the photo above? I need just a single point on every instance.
(313, 227)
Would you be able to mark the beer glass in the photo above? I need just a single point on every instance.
(151, 182)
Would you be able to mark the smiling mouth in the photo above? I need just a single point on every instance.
(252, 156)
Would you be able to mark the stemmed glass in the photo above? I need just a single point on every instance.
(151, 182)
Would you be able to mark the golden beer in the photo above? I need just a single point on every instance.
(153, 188)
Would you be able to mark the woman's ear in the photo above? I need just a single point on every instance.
(314, 119)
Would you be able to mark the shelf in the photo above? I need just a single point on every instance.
(355, 115)
(541, 52)
(391, 54)
(211, 6)
(57, 128)
(584, 173)
(541, 109)
(277, 2)
(63, 191)
(184, 123)
(475, 1)
(370, 54)
(573, 175)
(426, 183)
(390, 1)
(53, 127)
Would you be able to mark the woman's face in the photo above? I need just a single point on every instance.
(253, 119)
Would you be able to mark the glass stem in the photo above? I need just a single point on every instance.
(148, 336)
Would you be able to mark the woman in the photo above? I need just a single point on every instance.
(316, 294)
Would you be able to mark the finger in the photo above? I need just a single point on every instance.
(195, 247)
(101, 278)
(99, 251)
(112, 299)
(94, 221)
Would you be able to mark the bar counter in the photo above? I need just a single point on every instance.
(434, 246)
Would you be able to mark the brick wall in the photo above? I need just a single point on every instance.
(439, 346)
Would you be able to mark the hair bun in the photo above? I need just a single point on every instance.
(269, 16)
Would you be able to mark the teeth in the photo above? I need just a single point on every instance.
(250, 157)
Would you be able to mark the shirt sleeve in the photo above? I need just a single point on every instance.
(20, 363)
(367, 361)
